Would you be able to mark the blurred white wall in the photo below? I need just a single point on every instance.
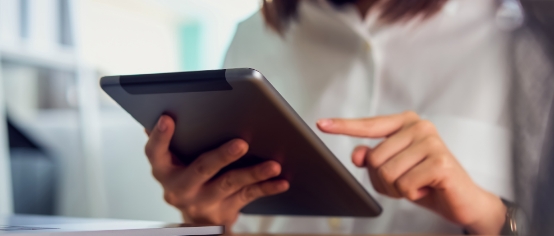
(99, 147)
(142, 36)
(128, 36)
(218, 19)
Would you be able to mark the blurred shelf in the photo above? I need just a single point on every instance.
(60, 58)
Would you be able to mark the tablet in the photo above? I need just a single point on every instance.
(213, 107)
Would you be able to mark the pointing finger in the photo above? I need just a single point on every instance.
(376, 127)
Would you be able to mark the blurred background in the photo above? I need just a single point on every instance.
(71, 150)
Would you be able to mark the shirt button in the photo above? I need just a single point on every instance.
(367, 46)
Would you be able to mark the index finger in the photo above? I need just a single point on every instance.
(375, 127)
(157, 147)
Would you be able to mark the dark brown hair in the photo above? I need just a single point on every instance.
(278, 13)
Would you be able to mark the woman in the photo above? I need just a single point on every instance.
(370, 58)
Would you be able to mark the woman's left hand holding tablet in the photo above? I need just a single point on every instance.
(413, 162)
(201, 197)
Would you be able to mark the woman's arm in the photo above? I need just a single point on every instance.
(413, 163)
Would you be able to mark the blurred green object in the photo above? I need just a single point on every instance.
(190, 46)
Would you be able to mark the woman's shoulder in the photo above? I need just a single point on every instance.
(252, 40)
(255, 22)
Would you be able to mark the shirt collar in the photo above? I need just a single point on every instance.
(349, 16)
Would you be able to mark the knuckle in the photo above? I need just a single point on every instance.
(411, 114)
(149, 150)
(227, 183)
(202, 169)
(442, 162)
(381, 190)
(433, 143)
(171, 198)
(385, 175)
(157, 175)
(404, 188)
(202, 213)
(167, 198)
(248, 194)
(424, 126)
(193, 211)
(377, 185)
(411, 196)
(373, 160)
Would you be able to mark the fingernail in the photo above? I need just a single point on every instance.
(162, 126)
(325, 122)
(235, 148)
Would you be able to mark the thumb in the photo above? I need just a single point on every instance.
(157, 147)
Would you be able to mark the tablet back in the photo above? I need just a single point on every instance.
(213, 107)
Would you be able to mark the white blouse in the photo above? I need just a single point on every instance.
(450, 69)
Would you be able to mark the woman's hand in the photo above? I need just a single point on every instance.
(413, 162)
(192, 189)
